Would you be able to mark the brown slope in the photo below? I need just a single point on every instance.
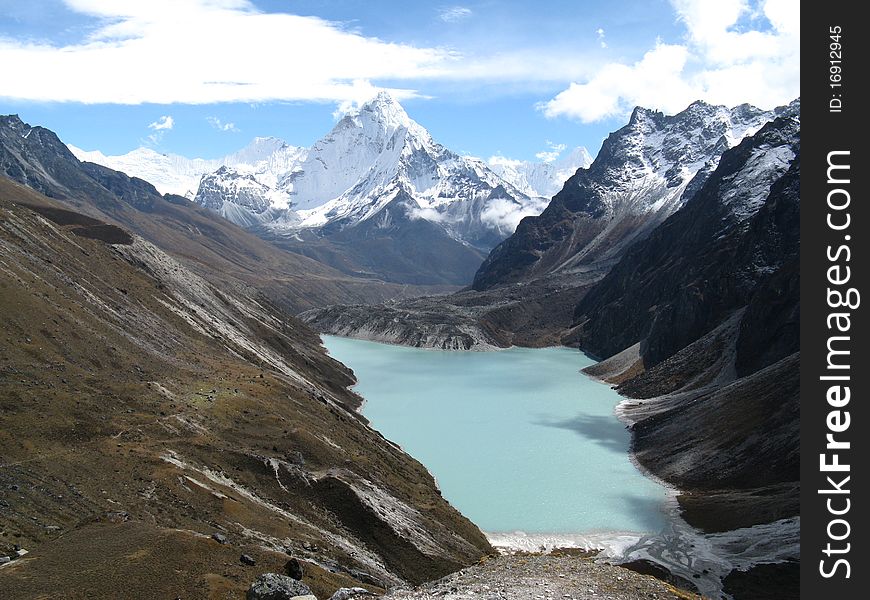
(143, 409)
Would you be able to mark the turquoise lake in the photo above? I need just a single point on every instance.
(518, 439)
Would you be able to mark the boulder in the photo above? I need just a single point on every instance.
(293, 569)
(219, 538)
(247, 560)
(272, 586)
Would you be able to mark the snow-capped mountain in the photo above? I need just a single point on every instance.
(644, 172)
(544, 178)
(265, 157)
(378, 153)
(371, 157)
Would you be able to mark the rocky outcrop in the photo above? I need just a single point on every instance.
(272, 586)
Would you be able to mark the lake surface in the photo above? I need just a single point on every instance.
(518, 439)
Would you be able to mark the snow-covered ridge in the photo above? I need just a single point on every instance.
(540, 178)
(648, 165)
(265, 157)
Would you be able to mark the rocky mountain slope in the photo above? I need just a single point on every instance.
(207, 243)
(152, 418)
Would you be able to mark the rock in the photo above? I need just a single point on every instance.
(247, 560)
(219, 538)
(4, 560)
(295, 457)
(117, 516)
(293, 569)
(272, 586)
(348, 593)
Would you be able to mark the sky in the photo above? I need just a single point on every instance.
(513, 78)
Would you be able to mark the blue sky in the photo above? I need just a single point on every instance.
(203, 77)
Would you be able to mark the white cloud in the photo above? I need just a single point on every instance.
(427, 214)
(453, 14)
(552, 154)
(715, 63)
(164, 123)
(505, 215)
(220, 125)
(205, 51)
(211, 51)
(159, 127)
(504, 161)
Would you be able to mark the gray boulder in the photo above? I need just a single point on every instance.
(219, 538)
(272, 586)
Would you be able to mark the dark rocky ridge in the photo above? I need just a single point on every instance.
(711, 302)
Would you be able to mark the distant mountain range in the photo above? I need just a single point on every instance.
(377, 171)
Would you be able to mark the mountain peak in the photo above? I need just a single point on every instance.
(386, 109)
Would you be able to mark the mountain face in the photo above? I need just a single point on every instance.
(379, 195)
(220, 250)
(374, 154)
(240, 197)
(543, 179)
(152, 418)
(644, 173)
